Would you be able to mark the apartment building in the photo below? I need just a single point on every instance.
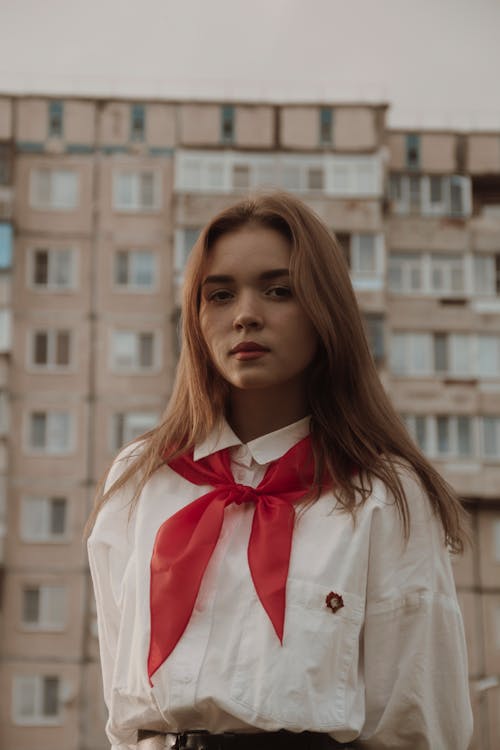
(102, 202)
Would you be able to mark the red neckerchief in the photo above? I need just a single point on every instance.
(185, 542)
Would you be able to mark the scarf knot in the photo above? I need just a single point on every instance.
(246, 494)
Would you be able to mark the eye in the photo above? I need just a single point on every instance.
(220, 295)
(279, 292)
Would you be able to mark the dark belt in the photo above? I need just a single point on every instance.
(201, 740)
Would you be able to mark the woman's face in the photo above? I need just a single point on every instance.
(257, 333)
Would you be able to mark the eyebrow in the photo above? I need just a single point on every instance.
(265, 276)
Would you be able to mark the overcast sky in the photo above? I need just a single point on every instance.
(436, 62)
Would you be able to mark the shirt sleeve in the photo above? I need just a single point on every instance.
(415, 660)
(109, 550)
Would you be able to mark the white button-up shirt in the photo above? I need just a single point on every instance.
(388, 668)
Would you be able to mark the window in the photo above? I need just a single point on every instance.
(54, 189)
(455, 355)
(374, 325)
(52, 269)
(50, 432)
(363, 255)
(137, 122)
(315, 179)
(447, 273)
(367, 260)
(241, 176)
(135, 270)
(487, 274)
(184, 241)
(457, 207)
(490, 437)
(488, 356)
(5, 164)
(227, 124)
(405, 272)
(495, 527)
(326, 126)
(127, 426)
(454, 436)
(6, 241)
(4, 423)
(133, 351)
(414, 194)
(462, 360)
(44, 607)
(412, 151)
(51, 349)
(55, 119)
(418, 427)
(136, 191)
(226, 170)
(36, 699)
(5, 330)
(430, 195)
(44, 519)
(411, 354)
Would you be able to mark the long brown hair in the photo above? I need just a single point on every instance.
(353, 423)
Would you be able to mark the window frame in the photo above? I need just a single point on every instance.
(136, 207)
(55, 112)
(326, 125)
(48, 450)
(137, 114)
(227, 121)
(402, 204)
(367, 280)
(38, 718)
(51, 365)
(44, 533)
(39, 205)
(131, 287)
(496, 426)
(127, 433)
(182, 249)
(51, 286)
(135, 367)
(43, 622)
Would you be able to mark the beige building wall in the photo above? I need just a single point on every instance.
(6, 118)
(199, 125)
(437, 152)
(483, 154)
(299, 127)
(254, 127)
(355, 129)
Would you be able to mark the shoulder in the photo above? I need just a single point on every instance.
(114, 517)
(414, 521)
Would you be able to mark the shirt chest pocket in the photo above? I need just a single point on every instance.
(307, 682)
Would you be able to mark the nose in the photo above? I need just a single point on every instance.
(247, 314)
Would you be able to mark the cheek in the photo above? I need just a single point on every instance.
(209, 332)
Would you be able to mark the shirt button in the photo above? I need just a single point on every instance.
(240, 475)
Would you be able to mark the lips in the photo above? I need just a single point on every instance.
(248, 346)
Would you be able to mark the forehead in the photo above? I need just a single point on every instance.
(248, 250)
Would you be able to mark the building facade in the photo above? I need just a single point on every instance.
(100, 203)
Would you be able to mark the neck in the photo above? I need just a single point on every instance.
(257, 412)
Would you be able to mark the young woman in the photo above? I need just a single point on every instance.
(271, 564)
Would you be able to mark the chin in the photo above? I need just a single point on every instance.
(249, 384)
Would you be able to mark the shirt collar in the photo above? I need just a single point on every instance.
(264, 449)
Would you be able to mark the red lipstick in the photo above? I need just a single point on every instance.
(248, 350)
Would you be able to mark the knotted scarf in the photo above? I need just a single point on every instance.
(185, 542)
